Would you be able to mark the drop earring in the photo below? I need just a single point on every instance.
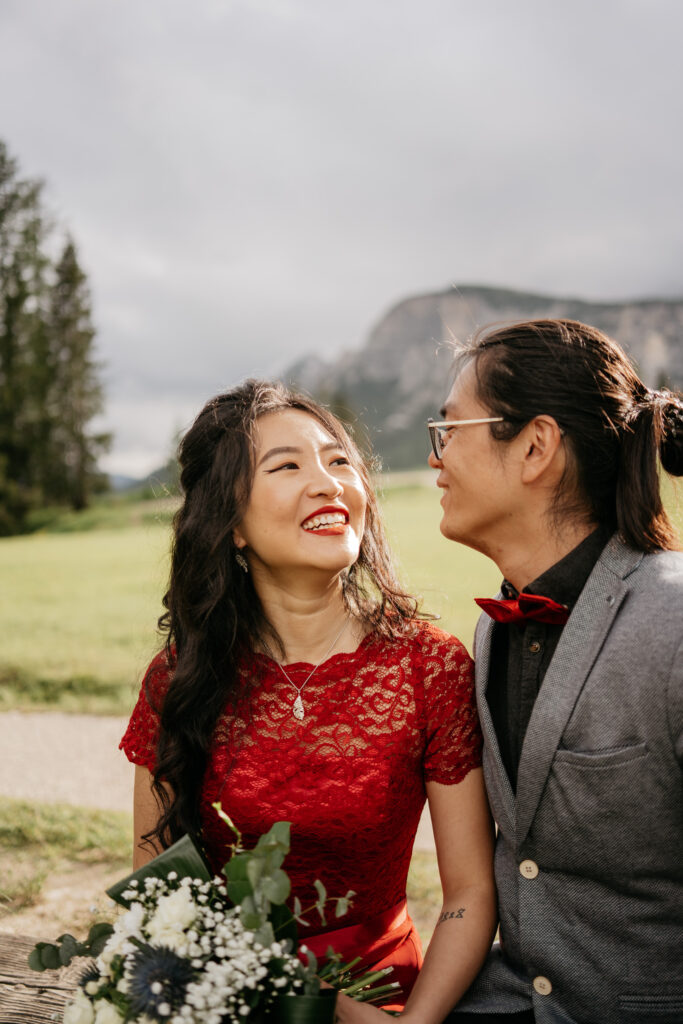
(242, 562)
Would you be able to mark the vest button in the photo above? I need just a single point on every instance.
(542, 986)
(534, 646)
(528, 868)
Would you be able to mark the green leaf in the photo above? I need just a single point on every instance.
(99, 929)
(311, 961)
(322, 899)
(297, 907)
(249, 914)
(184, 857)
(321, 890)
(277, 887)
(274, 844)
(35, 959)
(255, 869)
(49, 955)
(69, 949)
(342, 907)
(97, 945)
(235, 871)
(265, 934)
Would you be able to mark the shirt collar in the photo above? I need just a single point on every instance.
(565, 580)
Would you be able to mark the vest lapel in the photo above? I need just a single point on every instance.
(498, 787)
(579, 646)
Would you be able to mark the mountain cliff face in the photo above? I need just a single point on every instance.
(400, 376)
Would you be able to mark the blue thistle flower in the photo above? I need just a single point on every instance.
(157, 976)
(89, 974)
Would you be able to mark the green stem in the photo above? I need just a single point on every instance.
(373, 994)
(367, 979)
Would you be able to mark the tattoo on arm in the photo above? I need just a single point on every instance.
(448, 914)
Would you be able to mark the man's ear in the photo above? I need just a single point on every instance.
(543, 449)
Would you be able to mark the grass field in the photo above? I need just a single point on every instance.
(78, 610)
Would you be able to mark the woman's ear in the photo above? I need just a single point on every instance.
(543, 448)
(237, 538)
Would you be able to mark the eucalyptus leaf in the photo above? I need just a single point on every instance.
(255, 870)
(100, 930)
(342, 907)
(96, 945)
(250, 916)
(251, 920)
(68, 949)
(311, 960)
(235, 871)
(49, 956)
(321, 891)
(265, 934)
(35, 958)
(277, 887)
(322, 899)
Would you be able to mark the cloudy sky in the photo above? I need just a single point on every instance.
(252, 180)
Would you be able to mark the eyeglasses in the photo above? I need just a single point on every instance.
(438, 432)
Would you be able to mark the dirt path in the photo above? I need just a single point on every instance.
(51, 757)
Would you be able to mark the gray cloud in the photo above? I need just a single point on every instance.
(250, 181)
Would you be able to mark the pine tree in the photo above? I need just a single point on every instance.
(75, 394)
(22, 289)
(49, 387)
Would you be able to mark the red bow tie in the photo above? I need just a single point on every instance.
(525, 608)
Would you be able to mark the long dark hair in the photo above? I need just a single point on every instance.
(214, 616)
(615, 427)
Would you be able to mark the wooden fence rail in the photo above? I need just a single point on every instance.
(27, 997)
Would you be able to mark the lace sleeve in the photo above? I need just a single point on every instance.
(139, 742)
(454, 738)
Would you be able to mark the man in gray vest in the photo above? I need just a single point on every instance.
(549, 463)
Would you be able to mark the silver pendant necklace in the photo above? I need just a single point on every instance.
(298, 709)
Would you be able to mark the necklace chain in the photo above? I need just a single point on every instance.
(298, 709)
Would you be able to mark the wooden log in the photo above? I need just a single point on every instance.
(32, 997)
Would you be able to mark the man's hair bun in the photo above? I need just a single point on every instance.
(671, 443)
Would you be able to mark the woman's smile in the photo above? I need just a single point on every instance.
(329, 521)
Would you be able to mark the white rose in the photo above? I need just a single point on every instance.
(107, 1014)
(80, 1011)
(173, 915)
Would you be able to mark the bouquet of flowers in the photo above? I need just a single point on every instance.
(192, 949)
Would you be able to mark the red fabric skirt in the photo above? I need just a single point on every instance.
(388, 940)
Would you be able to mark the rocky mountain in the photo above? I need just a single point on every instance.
(390, 386)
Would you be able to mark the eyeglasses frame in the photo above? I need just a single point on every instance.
(434, 426)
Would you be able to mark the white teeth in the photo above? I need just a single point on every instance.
(324, 520)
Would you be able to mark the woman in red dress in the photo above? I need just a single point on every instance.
(297, 684)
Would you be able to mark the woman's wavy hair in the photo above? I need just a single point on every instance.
(213, 615)
(615, 427)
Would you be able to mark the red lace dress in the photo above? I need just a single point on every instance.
(350, 777)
